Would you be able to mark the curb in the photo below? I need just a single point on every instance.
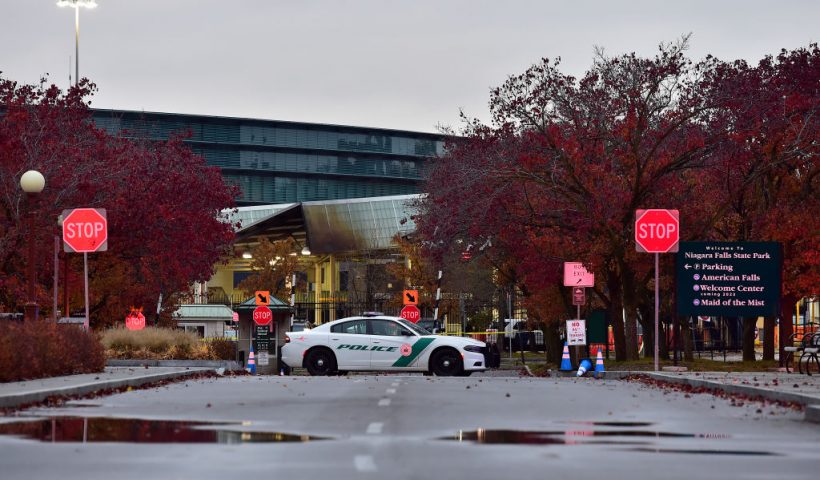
(36, 396)
(811, 404)
(812, 414)
(744, 389)
(226, 364)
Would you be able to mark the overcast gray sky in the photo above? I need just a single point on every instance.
(383, 63)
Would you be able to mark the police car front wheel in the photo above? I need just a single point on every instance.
(446, 363)
(320, 362)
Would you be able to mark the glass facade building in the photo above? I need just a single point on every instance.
(276, 162)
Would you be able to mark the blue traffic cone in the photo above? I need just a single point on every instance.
(251, 362)
(599, 365)
(566, 364)
(584, 367)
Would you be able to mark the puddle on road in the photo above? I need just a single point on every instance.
(705, 452)
(131, 430)
(615, 424)
(565, 437)
(588, 437)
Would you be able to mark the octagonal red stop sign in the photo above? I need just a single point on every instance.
(85, 230)
(262, 315)
(411, 313)
(657, 231)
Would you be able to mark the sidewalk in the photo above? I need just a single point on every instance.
(787, 387)
(13, 394)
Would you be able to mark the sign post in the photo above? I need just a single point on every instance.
(578, 277)
(85, 230)
(657, 231)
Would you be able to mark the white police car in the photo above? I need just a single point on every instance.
(381, 343)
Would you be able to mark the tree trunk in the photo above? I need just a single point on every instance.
(786, 326)
(749, 339)
(663, 346)
(553, 344)
(630, 326)
(685, 340)
(768, 338)
(647, 319)
(616, 315)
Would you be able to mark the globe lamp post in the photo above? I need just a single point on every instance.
(32, 182)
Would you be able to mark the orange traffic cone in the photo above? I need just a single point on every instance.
(566, 364)
(599, 365)
(251, 362)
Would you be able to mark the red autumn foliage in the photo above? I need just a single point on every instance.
(163, 205)
(42, 349)
(560, 173)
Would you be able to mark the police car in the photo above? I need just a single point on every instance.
(381, 343)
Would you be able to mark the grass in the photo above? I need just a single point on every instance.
(163, 344)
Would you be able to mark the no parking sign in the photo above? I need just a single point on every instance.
(576, 332)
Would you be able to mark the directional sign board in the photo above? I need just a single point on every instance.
(85, 230)
(576, 332)
(739, 279)
(262, 297)
(576, 275)
(410, 297)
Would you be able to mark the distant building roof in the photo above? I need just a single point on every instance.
(335, 226)
(276, 304)
(204, 312)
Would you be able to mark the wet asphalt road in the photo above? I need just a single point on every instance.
(398, 426)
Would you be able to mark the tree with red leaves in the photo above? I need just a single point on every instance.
(567, 163)
(764, 178)
(163, 203)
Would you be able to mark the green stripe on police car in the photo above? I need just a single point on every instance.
(374, 348)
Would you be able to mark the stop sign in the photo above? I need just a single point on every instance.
(85, 230)
(411, 313)
(656, 231)
(135, 321)
(262, 315)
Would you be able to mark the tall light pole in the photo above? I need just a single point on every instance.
(32, 182)
(76, 4)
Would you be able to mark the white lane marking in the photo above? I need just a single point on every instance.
(375, 428)
(364, 463)
(391, 391)
(384, 402)
(394, 384)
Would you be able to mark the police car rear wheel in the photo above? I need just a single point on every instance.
(320, 362)
(446, 363)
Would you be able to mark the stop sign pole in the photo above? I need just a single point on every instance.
(85, 230)
(657, 231)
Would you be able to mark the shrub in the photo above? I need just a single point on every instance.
(163, 344)
(221, 349)
(39, 349)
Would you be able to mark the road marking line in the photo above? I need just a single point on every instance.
(391, 391)
(384, 402)
(364, 463)
(375, 428)
(394, 384)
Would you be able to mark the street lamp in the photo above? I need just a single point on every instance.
(76, 4)
(32, 182)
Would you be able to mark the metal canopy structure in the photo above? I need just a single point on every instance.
(331, 227)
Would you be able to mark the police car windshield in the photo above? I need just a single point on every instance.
(413, 327)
